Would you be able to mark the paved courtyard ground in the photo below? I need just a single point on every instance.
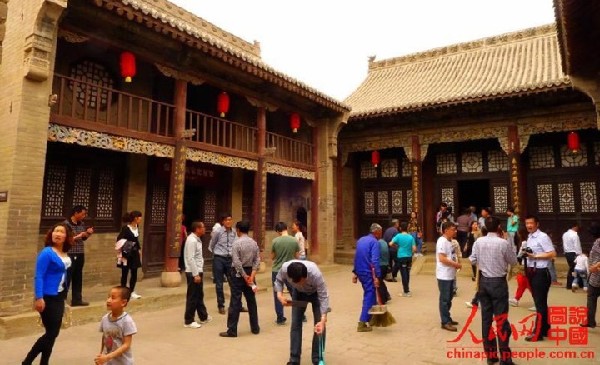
(415, 339)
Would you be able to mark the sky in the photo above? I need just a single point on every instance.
(326, 43)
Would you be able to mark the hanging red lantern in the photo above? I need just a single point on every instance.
(222, 104)
(375, 159)
(295, 122)
(573, 142)
(127, 66)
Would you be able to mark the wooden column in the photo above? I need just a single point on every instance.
(260, 181)
(170, 275)
(314, 196)
(339, 199)
(514, 163)
(417, 180)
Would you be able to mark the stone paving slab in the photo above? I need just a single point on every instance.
(415, 339)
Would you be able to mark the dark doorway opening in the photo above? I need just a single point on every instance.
(302, 216)
(473, 193)
(193, 205)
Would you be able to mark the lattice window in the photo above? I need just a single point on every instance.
(383, 203)
(448, 196)
(159, 204)
(472, 162)
(570, 159)
(500, 198)
(210, 208)
(541, 157)
(566, 198)
(497, 161)
(82, 187)
(589, 197)
(406, 168)
(597, 152)
(367, 170)
(389, 168)
(89, 72)
(104, 205)
(369, 202)
(446, 163)
(396, 201)
(409, 200)
(55, 183)
(545, 198)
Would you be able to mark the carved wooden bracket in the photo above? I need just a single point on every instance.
(178, 75)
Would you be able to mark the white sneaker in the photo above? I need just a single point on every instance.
(192, 325)
(513, 302)
(574, 288)
(135, 295)
(208, 319)
(531, 309)
(469, 304)
(407, 295)
(585, 288)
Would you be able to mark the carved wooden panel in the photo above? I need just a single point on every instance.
(446, 163)
(106, 194)
(91, 72)
(367, 170)
(589, 197)
(82, 186)
(210, 208)
(497, 161)
(406, 168)
(472, 162)
(55, 184)
(500, 199)
(409, 201)
(566, 198)
(570, 159)
(160, 196)
(396, 201)
(389, 168)
(369, 202)
(448, 195)
(545, 199)
(541, 157)
(383, 206)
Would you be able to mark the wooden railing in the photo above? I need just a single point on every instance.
(220, 132)
(289, 149)
(90, 102)
(81, 101)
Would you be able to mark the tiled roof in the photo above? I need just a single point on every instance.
(178, 18)
(504, 65)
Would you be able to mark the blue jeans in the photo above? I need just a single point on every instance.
(552, 271)
(445, 287)
(582, 274)
(296, 328)
(418, 241)
(221, 266)
(278, 305)
(366, 279)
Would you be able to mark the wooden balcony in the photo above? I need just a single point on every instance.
(87, 105)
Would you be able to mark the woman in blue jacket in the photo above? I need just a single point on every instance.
(50, 289)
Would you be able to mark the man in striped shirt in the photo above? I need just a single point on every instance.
(77, 253)
(245, 263)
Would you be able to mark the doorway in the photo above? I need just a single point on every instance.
(473, 193)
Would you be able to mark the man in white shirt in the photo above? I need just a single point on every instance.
(194, 267)
(445, 272)
(571, 248)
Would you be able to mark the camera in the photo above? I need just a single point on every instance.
(523, 253)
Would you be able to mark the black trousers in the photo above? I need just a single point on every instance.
(194, 299)
(298, 314)
(239, 288)
(75, 277)
(592, 303)
(405, 265)
(384, 294)
(52, 320)
(493, 299)
(125, 270)
(540, 281)
(394, 266)
(570, 256)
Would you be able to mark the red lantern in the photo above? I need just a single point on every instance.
(573, 142)
(223, 104)
(295, 122)
(375, 159)
(127, 66)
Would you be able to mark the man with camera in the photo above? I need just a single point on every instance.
(542, 251)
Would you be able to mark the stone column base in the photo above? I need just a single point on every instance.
(170, 279)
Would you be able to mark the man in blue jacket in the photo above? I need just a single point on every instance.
(366, 260)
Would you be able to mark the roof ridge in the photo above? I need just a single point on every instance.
(493, 41)
(188, 20)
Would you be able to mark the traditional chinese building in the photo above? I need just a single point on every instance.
(123, 105)
(494, 122)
